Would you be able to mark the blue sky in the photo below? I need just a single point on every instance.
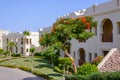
(20, 15)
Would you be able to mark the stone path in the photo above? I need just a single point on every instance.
(16, 74)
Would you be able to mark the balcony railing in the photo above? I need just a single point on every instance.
(107, 37)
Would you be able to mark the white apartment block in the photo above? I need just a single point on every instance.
(107, 32)
(2, 32)
(23, 43)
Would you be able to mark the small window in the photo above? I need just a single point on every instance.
(95, 31)
(21, 40)
(27, 50)
(30, 41)
(118, 27)
(74, 54)
(117, 2)
(7, 40)
(27, 41)
(90, 57)
(95, 55)
(16, 49)
(22, 50)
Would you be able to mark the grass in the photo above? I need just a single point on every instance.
(39, 64)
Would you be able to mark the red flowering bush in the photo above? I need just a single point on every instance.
(97, 60)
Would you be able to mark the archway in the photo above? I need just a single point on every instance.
(107, 30)
(81, 56)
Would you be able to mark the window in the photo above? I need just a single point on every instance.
(74, 54)
(30, 41)
(105, 53)
(118, 27)
(95, 31)
(27, 50)
(27, 41)
(16, 49)
(6, 47)
(7, 40)
(90, 57)
(21, 40)
(22, 50)
(117, 2)
(95, 55)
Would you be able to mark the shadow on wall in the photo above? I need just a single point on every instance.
(33, 78)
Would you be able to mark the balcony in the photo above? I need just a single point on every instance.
(107, 37)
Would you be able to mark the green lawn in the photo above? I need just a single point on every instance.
(38, 64)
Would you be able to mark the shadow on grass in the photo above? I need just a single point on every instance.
(57, 75)
(43, 65)
(32, 78)
(26, 60)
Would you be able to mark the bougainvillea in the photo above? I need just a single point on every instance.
(97, 60)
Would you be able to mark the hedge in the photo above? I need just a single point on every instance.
(96, 76)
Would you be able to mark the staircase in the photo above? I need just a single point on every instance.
(111, 61)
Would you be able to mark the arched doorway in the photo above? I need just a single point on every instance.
(107, 29)
(81, 56)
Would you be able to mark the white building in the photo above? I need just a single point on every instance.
(107, 32)
(23, 43)
(2, 32)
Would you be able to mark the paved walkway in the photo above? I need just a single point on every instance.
(16, 74)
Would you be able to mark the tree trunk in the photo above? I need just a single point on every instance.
(72, 60)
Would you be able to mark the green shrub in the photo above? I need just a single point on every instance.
(38, 54)
(36, 72)
(10, 66)
(57, 69)
(87, 69)
(97, 60)
(16, 55)
(77, 77)
(95, 76)
(25, 68)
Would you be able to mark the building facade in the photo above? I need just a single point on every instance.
(23, 43)
(107, 32)
(2, 32)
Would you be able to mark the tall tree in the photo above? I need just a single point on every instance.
(11, 45)
(65, 29)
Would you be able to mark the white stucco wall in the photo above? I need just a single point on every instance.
(108, 10)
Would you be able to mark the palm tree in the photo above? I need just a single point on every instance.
(26, 33)
(10, 45)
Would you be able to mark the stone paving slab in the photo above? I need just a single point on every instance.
(16, 74)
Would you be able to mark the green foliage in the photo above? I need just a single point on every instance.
(26, 33)
(52, 53)
(77, 77)
(87, 68)
(57, 69)
(64, 61)
(1, 51)
(32, 50)
(16, 55)
(7, 52)
(65, 29)
(25, 68)
(97, 60)
(96, 76)
(36, 72)
(38, 54)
